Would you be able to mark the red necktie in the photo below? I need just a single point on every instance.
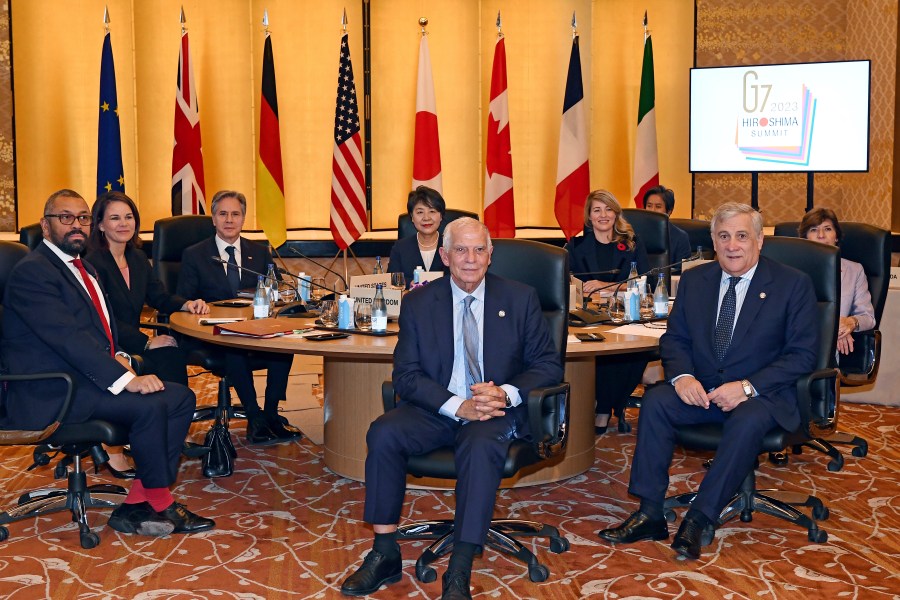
(96, 300)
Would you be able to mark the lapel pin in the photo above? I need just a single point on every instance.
(501, 314)
(762, 295)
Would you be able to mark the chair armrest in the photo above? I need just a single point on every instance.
(388, 397)
(11, 437)
(860, 367)
(548, 418)
(819, 401)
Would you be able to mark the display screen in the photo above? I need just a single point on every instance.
(808, 117)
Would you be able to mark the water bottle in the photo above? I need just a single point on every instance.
(378, 269)
(700, 252)
(661, 298)
(417, 275)
(379, 311)
(632, 277)
(272, 284)
(345, 312)
(304, 286)
(261, 303)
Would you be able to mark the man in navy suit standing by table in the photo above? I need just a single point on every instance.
(742, 331)
(203, 277)
(56, 318)
(451, 332)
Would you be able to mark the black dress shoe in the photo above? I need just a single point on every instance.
(376, 570)
(779, 459)
(126, 474)
(192, 450)
(455, 585)
(260, 434)
(687, 540)
(141, 519)
(282, 429)
(635, 528)
(184, 520)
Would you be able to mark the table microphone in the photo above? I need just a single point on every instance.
(651, 272)
(321, 266)
(290, 307)
(308, 279)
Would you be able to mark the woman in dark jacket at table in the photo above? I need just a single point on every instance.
(129, 282)
(608, 243)
(426, 209)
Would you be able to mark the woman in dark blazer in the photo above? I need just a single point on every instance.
(426, 208)
(129, 282)
(608, 243)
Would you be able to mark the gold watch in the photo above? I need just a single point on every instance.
(748, 389)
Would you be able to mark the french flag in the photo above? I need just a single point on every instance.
(573, 178)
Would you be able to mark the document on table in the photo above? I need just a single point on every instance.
(640, 329)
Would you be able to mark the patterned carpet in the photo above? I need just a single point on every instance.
(287, 528)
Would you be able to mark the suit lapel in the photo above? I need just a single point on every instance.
(444, 335)
(710, 299)
(70, 278)
(493, 305)
(753, 301)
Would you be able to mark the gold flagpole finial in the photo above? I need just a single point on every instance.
(183, 21)
(646, 30)
(344, 21)
(499, 25)
(574, 26)
(106, 18)
(423, 22)
(266, 20)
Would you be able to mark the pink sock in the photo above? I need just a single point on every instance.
(159, 498)
(136, 494)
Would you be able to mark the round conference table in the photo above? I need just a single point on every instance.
(356, 366)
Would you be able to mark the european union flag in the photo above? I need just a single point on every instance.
(110, 175)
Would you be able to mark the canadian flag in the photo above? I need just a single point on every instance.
(427, 148)
(499, 210)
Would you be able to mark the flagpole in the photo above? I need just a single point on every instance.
(368, 213)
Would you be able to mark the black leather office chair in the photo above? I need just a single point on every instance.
(653, 230)
(31, 235)
(818, 396)
(870, 247)
(545, 268)
(699, 234)
(405, 227)
(171, 236)
(73, 441)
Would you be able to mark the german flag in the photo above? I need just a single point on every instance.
(269, 174)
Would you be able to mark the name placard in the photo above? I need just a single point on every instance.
(428, 276)
(370, 280)
(366, 295)
(576, 287)
(894, 283)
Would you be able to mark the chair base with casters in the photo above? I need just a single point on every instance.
(548, 419)
(78, 497)
(748, 500)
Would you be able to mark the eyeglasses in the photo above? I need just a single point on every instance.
(67, 219)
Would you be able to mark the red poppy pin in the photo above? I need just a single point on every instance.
(620, 246)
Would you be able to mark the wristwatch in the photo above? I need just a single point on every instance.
(748, 389)
(509, 403)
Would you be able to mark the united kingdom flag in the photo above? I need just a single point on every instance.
(188, 189)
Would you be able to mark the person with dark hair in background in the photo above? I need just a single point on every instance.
(56, 318)
(609, 242)
(202, 276)
(426, 209)
(662, 200)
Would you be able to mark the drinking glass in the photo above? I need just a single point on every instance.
(646, 301)
(286, 291)
(617, 308)
(317, 288)
(363, 313)
(398, 281)
(329, 313)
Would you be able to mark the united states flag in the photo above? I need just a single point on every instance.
(348, 183)
(188, 189)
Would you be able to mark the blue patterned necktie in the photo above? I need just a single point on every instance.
(470, 345)
(231, 271)
(725, 324)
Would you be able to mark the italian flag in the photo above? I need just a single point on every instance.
(646, 163)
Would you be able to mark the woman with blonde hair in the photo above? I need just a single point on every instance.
(609, 243)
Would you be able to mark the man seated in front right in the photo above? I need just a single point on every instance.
(739, 368)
